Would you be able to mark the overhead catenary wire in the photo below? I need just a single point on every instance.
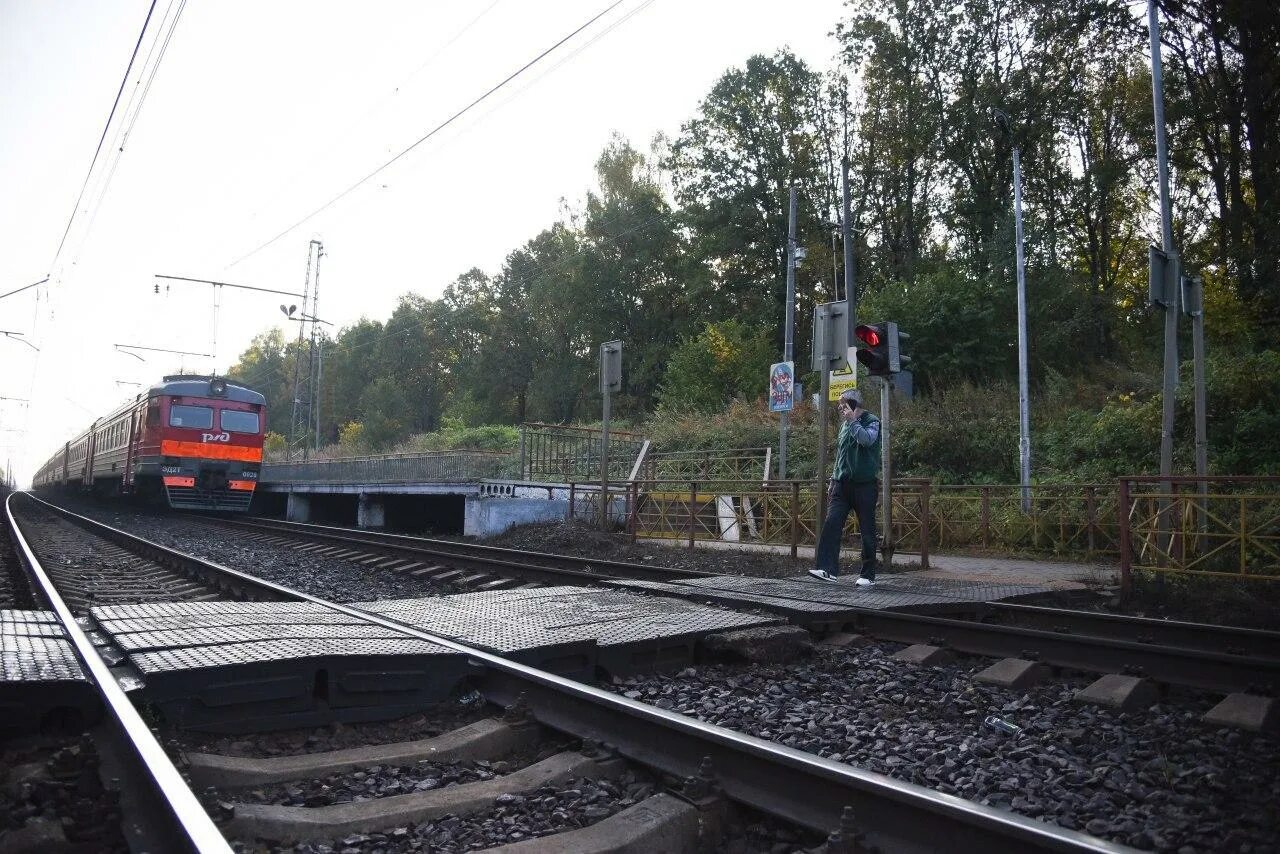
(24, 288)
(333, 140)
(114, 104)
(444, 124)
(130, 114)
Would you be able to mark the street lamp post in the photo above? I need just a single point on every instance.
(1024, 403)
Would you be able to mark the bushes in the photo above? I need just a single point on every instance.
(725, 361)
(964, 434)
(1083, 429)
(455, 436)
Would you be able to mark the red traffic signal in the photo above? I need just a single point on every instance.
(880, 348)
(873, 348)
(869, 335)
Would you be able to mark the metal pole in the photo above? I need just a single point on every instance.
(835, 269)
(1166, 234)
(823, 408)
(313, 366)
(1171, 274)
(1024, 406)
(604, 463)
(886, 471)
(297, 365)
(788, 350)
(846, 225)
(523, 450)
(1196, 307)
(319, 386)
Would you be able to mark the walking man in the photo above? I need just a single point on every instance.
(852, 487)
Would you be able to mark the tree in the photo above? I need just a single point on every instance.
(725, 361)
(265, 367)
(758, 132)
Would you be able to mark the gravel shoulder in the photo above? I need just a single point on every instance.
(1156, 780)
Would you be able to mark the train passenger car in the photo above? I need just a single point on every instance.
(191, 442)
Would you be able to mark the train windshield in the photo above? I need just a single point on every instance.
(194, 417)
(238, 421)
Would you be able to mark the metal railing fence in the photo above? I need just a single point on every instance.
(779, 513)
(440, 467)
(1214, 526)
(1073, 519)
(676, 467)
(560, 453)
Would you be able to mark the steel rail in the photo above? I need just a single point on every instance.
(1209, 636)
(782, 781)
(1213, 671)
(1167, 662)
(481, 556)
(185, 822)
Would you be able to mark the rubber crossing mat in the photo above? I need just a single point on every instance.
(812, 602)
(229, 666)
(629, 632)
(41, 680)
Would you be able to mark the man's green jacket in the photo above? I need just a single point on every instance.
(858, 450)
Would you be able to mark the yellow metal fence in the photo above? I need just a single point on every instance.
(1226, 526)
(1218, 526)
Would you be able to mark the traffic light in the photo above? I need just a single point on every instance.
(873, 348)
(880, 348)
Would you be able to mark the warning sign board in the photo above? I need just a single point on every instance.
(841, 381)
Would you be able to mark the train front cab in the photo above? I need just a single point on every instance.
(208, 436)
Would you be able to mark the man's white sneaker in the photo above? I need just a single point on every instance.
(823, 574)
(865, 582)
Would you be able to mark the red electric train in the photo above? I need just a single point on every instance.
(191, 442)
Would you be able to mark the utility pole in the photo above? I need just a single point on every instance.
(788, 350)
(846, 225)
(1166, 235)
(886, 469)
(319, 383)
(1024, 403)
(1170, 285)
(304, 383)
(851, 303)
(1024, 396)
(1193, 305)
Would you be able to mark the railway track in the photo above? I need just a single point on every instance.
(797, 787)
(1203, 656)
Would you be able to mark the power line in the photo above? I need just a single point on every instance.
(125, 128)
(432, 132)
(103, 138)
(25, 288)
(335, 139)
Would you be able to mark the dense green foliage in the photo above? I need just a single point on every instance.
(680, 251)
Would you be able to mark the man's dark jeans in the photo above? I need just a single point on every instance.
(860, 498)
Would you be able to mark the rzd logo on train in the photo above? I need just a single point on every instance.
(215, 437)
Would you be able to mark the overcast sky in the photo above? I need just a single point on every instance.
(263, 111)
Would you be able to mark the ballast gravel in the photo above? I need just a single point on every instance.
(1157, 779)
(551, 809)
(431, 722)
(376, 781)
(335, 579)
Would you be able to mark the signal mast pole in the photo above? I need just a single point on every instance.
(788, 351)
(304, 407)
